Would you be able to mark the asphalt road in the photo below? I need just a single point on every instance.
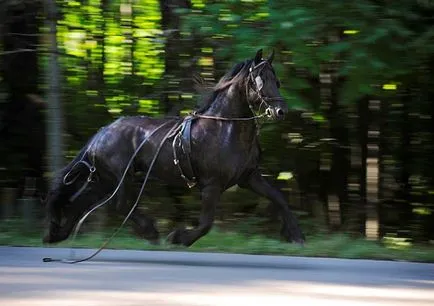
(127, 278)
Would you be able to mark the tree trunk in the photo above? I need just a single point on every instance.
(174, 73)
(21, 117)
(404, 162)
(351, 212)
(101, 42)
(363, 142)
(372, 171)
(54, 115)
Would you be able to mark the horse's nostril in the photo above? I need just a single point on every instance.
(280, 112)
(268, 112)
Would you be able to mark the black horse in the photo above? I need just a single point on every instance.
(212, 149)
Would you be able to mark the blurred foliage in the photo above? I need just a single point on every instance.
(115, 62)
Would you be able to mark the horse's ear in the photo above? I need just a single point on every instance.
(258, 56)
(271, 57)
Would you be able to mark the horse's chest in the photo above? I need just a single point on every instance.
(227, 158)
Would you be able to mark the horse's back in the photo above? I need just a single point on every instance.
(143, 122)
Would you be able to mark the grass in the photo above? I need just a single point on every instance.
(229, 241)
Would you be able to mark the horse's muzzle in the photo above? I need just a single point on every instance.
(275, 113)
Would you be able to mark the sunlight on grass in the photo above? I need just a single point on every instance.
(317, 245)
(393, 242)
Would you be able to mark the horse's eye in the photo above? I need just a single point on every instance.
(259, 82)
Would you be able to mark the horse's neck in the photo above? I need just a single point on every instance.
(233, 104)
(230, 103)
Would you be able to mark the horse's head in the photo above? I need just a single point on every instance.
(263, 88)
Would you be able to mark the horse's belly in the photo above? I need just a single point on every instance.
(164, 168)
(168, 174)
(211, 165)
(232, 174)
(226, 168)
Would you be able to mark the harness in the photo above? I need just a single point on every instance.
(181, 145)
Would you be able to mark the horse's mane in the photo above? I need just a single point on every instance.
(209, 91)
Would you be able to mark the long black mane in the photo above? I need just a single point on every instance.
(238, 74)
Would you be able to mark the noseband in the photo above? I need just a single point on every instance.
(257, 86)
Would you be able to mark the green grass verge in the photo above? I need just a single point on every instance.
(319, 245)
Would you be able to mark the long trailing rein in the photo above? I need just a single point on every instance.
(77, 228)
(82, 219)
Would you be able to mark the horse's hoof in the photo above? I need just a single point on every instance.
(299, 242)
(154, 241)
(294, 236)
(169, 237)
(174, 237)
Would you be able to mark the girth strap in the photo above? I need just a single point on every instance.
(183, 140)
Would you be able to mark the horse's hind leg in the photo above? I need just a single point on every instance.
(210, 197)
(143, 225)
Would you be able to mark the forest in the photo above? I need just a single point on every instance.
(355, 154)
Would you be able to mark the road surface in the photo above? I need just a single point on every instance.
(129, 278)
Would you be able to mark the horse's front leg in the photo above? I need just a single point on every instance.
(210, 196)
(290, 228)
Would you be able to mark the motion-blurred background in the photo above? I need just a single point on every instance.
(355, 156)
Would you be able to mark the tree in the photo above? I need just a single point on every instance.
(21, 108)
(54, 115)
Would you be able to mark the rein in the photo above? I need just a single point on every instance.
(194, 114)
(77, 228)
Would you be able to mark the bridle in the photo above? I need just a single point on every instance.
(257, 86)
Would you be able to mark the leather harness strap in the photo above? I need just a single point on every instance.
(182, 141)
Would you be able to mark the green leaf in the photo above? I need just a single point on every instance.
(285, 176)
